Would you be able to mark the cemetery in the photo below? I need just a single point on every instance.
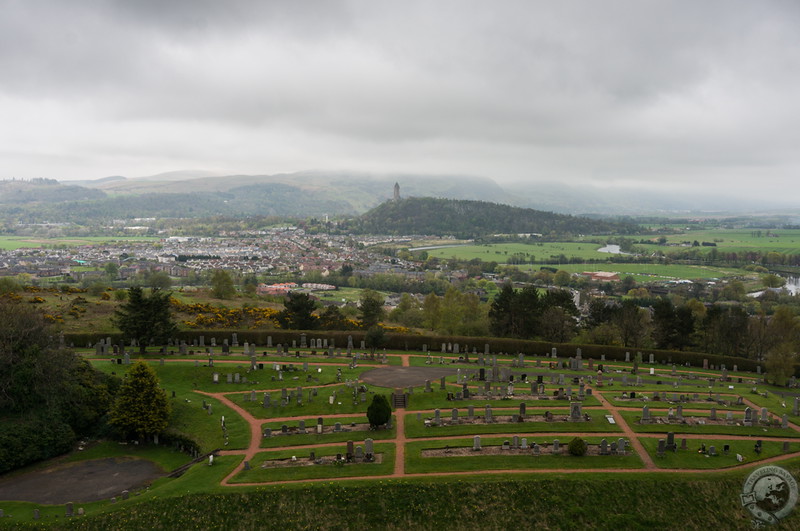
(274, 419)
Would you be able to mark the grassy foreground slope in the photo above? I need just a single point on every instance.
(568, 501)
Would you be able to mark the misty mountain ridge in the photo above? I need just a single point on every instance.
(198, 193)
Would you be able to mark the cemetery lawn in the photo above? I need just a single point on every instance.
(311, 438)
(188, 416)
(598, 424)
(633, 417)
(422, 401)
(416, 464)
(184, 376)
(166, 458)
(665, 405)
(301, 471)
(692, 459)
(344, 403)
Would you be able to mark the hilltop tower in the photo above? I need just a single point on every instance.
(396, 192)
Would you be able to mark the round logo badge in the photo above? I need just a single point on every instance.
(770, 494)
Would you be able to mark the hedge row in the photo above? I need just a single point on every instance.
(415, 342)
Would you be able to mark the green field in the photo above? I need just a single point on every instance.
(539, 252)
(738, 240)
(20, 242)
(653, 272)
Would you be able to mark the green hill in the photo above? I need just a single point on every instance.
(469, 219)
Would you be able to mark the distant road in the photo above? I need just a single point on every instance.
(438, 247)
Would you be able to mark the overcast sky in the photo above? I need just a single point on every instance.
(616, 93)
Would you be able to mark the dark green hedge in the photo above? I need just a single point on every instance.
(415, 342)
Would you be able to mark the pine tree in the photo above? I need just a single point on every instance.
(297, 313)
(141, 408)
(145, 318)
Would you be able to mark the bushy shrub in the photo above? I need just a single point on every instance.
(577, 447)
(379, 411)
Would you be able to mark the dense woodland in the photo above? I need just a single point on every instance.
(48, 396)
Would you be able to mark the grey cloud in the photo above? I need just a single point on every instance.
(630, 91)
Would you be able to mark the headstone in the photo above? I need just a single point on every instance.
(369, 449)
(556, 447)
(476, 443)
(575, 414)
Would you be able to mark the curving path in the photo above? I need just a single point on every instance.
(400, 441)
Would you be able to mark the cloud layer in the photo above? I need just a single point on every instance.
(651, 94)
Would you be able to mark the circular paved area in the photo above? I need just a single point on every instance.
(397, 377)
(81, 482)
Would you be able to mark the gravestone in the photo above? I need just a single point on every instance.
(556, 447)
(369, 449)
(575, 414)
(476, 443)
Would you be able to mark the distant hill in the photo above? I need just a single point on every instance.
(198, 194)
(43, 191)
(469, 219)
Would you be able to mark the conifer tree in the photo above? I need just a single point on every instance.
(141, 408)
